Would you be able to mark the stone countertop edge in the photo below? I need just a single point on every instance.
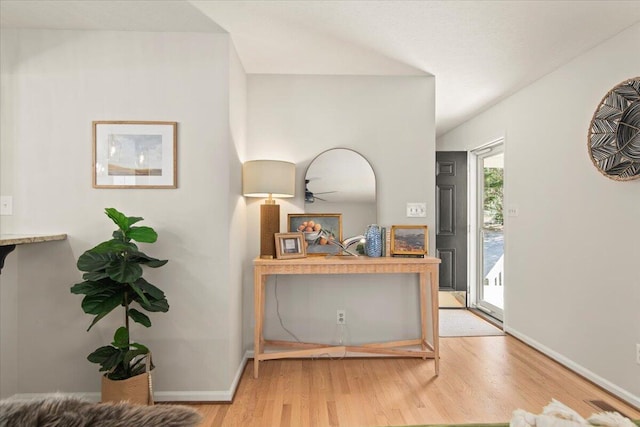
(21, 239)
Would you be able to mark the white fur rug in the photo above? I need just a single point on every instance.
(63, 411)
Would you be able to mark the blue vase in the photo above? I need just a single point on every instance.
(373, 241)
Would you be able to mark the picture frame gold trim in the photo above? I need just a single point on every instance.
(158, 140)
(406, 240)
(290, 245)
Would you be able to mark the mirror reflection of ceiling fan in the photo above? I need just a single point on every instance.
(310, 197)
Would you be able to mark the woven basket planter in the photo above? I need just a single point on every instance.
(136, 390)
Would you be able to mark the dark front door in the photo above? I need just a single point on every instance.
(451, 221)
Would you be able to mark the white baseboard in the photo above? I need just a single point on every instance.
(605, 384)
(164, 396)
(90, 396)
(205, 396)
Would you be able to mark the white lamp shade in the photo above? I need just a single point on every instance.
(262, 178)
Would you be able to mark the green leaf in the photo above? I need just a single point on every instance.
(138, 291)
(114, 245)
(107, 356)
(121, 338)
(142, 234)
(119, 218)
(114, 363)
(119, 372)
(102, 353)
(102, 302)
(155, 263)
(155, 305)
(139, 346)
(118, 235)
(157, 300)
(133, 219)
(92, 261)
(139, 317)
(96, 320)
(124, 271)
(145, 259)
(88, 287)
(132, 354)
(139, 368)
(102, 287)
(154, 292)
(94, 276)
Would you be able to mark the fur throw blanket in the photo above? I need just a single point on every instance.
(557, 414)
(64, 411)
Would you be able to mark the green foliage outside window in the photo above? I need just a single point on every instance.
(493, 194)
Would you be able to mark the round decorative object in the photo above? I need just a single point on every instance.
(373, 241)
(614, 134)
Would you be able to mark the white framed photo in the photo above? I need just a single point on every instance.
(290, 245)
(130, 154)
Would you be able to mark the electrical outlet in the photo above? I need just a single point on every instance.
(6, 205)
(341, 318)
(638, 354)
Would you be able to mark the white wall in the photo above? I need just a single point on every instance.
(390, 121)
(8, 279)
(571, 262)
(54, 84)
(237, 208)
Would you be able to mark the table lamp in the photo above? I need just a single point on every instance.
(268, 178)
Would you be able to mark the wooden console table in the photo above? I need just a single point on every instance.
(424, 267)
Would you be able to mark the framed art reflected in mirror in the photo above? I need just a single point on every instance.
(342, 180)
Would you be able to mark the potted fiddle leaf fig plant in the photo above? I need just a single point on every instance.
(113, 279)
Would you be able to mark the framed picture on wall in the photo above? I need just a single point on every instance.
(409, 240)
(290, 245)
(129, 154)
(319, 231)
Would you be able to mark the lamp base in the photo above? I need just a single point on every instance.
(269, 226)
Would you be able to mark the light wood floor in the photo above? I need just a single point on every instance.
(482, 379)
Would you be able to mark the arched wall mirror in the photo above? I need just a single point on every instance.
(341, 180)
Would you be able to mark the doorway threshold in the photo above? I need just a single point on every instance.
(452, 299)
(495, 322)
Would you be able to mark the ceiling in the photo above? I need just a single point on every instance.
(479, 51)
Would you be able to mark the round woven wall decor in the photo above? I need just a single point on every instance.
(614, 134)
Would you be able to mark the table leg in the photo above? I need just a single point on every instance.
(423, 310)
(435, 306)
(259, 281)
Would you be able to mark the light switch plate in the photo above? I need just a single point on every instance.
(513, 211)
(416, 210)
(6, 205)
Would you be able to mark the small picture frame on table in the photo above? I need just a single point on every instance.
(409, 241)
(290, 245)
